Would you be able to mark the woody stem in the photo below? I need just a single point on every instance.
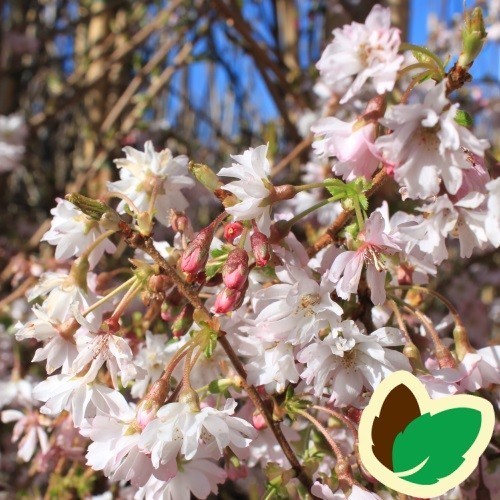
(145, 243)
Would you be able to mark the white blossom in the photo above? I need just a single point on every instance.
(60, 290)
(59, 351)
(427, 146)
(72, 232)
(374, 245)
(271, 364)
(480, 369)
(15, 392)
(294, 310)
(84, 399)
(352, 146)
(143, 173)
(198, 477)
(114, 449)
(179, 429)
(347, 360)
(253, 169)
(31, 425)
(493, 216)
(152, 358)
(362, 51)
(13, 132)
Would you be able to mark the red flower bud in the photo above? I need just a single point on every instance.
(232, 231)
(228, 300)
(235, 270)
(195, 256)
(260, 248)
(168, 311)
(258, 421)
(183, 321)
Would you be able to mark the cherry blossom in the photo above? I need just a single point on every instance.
(182, 360)
(375, 245)
(347, 360)
(150, 173)
(13, 132)
(83, 398)
(480, 369)
(31, 424)
(61, 290)
(362, 51)
(426, 147)
(253, 188)
(97, 347)
(492, 222)
(271, 364)
(73, 232)
(15, 391)
(114, 449)
(198, 477)
(59, 350)
(152, 358)
(294, 310)
(352, 145)
(179, 429)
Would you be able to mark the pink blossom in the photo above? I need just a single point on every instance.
(352, 146)
(427, 146)
(347, 267)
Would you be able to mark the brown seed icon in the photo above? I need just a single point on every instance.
(399, 409)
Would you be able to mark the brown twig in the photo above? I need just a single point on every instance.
(294, 153)
(342, 220)
(145, 243)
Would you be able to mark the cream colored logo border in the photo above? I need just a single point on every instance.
(388, 477)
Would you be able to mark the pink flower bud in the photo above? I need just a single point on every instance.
(235, 469)
(146, 412)
(232, 231)
(195, 256)
(168, 311)
(260, 248)
(235, 270)
(258, 421)
(183, 321)
(228, 300)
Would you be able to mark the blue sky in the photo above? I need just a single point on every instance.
(488, 62)
(487, 65)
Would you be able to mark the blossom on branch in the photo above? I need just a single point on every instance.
(427, 148)
(360, 52)
(253, 188)
(73, 232)
(347, 360)
(150, 174)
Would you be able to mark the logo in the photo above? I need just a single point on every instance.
(419, 446)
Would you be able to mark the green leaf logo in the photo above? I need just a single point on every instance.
(418, 446)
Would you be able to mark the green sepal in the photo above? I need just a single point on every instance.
(463, 118)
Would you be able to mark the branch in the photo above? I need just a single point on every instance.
(343, 219)
(145, 243)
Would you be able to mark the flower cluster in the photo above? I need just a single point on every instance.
(175, 365)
